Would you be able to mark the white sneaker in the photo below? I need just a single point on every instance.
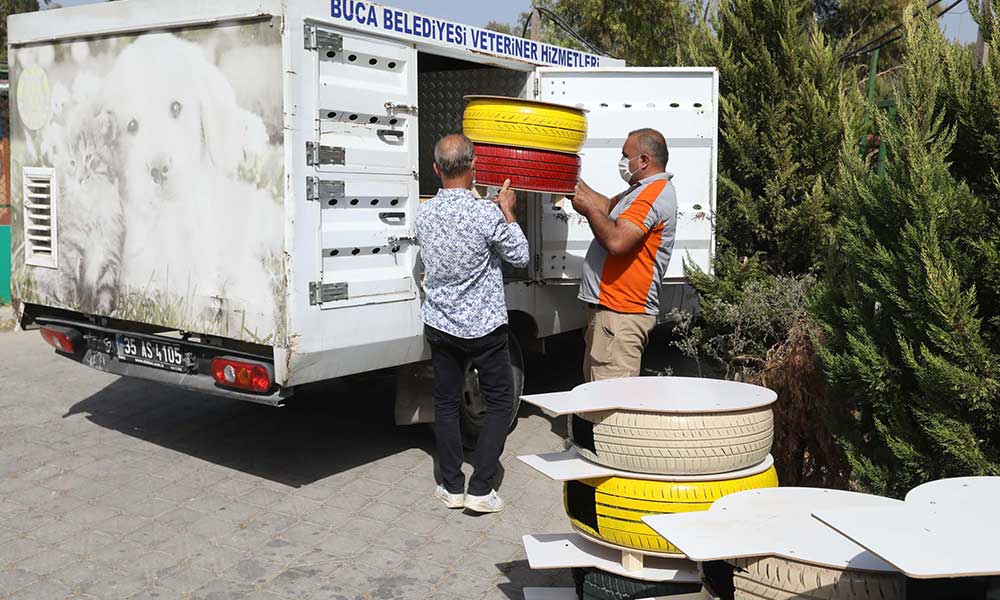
(490, 503)
(450, 500)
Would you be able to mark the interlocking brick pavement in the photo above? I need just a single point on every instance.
(114, 488)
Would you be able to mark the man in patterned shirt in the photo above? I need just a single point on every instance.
(623, 271)
(463, 241)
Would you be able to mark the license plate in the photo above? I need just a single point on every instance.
(150, 353)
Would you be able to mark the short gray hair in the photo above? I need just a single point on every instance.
(453, 155)
(652, 143)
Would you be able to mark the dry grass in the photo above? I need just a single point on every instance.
(805, 450)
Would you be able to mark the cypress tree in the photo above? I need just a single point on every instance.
(910, 313)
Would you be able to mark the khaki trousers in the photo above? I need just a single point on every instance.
(615, 342)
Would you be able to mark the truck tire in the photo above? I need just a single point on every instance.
(529, 170)
(773, 578)
(524, 124)
(599, 585)
(473, 405)
(674, 444)
(611, 508)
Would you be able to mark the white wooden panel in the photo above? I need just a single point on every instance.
(682, 105)
(570, 594)
(656, 394)
(568, 550)
(772, 522)
(963, 492)
(946, 528)
(570, 466)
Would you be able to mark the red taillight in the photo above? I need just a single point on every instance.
(241, 375)
(61, 338)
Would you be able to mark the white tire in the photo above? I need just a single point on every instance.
(772, 578)
(674, 444)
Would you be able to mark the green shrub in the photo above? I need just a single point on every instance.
(909, 307)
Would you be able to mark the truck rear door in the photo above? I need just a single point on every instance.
(681, 103)
(362, 164)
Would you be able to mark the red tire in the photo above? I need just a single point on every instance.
(530, 170)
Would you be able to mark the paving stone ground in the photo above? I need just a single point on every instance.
(115, 488)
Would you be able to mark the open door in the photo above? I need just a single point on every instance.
(681, 103)
(363, 167)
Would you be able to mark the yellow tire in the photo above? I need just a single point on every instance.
(611, 508)
(524, 124)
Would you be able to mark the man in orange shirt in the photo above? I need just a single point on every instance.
(623, 271)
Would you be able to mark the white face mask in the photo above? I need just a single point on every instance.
(623, 168)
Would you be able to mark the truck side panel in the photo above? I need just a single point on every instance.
(147, 178)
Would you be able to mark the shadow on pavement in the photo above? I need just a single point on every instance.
(324, 430)
(520, 575)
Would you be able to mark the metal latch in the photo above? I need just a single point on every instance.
(392, 107)
(324, 155)
(320, 293)
(394, 240)
(319, 190)
(328, 44)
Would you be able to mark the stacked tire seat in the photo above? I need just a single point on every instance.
(534, 144)
(680, 462)
(611, 508)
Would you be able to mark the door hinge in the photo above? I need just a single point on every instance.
(538, 263)
(537, 87)
(320, 293)
(327, 43)
(319, 190)
(324, 155)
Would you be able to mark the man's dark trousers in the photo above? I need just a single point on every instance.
(490, 355)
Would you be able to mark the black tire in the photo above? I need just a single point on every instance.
(473, 407)
(599, 585)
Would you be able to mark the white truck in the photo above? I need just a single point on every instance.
(220, 195)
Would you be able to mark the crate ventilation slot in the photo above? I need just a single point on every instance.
(40, 204)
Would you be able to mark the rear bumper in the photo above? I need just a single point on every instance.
(98, 352)
(198, 382)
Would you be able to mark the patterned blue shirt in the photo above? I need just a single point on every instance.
(462, 242)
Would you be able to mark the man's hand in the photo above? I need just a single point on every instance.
(619, 237)
(507, 201)
(587, 202)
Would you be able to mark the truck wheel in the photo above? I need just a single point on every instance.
(473, 405)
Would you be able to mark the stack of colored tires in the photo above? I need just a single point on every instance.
(534, 144)
(675, 463)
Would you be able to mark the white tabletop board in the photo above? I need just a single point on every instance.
(619, 548)
(570, 466)
(656, 394)
(947, 528)
(771, 522)
(568, 550)
(958, 491)
(570, 594)
(550, 594)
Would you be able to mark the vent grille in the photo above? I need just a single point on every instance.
(40, 203)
